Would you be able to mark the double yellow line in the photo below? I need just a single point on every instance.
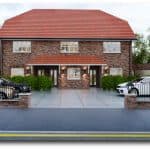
(76, 135)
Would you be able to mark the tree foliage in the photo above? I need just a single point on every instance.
(141, 53)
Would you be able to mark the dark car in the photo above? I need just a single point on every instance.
(7, 92)
(19, 87)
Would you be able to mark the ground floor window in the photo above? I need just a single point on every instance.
(116, 71)
(17, 71)
(73, 73)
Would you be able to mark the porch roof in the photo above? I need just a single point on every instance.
(66, 60)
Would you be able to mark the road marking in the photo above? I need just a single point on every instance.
(57, 135)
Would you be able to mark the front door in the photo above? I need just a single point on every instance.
(50, 71)
(95, 76)
(53, 72)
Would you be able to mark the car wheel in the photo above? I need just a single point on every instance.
(134, 91)
(3, 96)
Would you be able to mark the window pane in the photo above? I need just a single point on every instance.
(69, 47)
(116, 71)
(73, 74)
(22, 46)
(17, 71)
(111, 47)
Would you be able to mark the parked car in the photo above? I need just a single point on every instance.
(19, 87)
(140, 86)
(7, 92)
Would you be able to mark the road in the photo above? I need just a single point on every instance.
(74, 120)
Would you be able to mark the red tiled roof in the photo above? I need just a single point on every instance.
(57, 23)
(70, 60)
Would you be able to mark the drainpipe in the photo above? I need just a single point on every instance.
(130, 59)
(1, 59)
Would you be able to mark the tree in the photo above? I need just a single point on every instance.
(141, 53)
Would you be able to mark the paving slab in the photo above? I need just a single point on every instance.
(76, 98)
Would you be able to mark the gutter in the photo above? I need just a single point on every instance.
(71, 39)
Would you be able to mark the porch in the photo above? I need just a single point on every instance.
(79, 72)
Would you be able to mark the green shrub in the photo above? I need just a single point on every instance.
(131, 78)
(111, 82)
(44, 83)
(31, 81)
(117, 80)
(36, 83)
(107, 82)
(17, 79)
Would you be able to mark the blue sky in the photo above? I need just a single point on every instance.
(136, 12)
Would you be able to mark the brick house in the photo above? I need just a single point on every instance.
(74, 47)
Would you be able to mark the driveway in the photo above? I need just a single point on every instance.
(76, 98)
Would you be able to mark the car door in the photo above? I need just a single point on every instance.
(146, 86)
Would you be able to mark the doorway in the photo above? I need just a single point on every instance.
(50, 71)
(95, 76)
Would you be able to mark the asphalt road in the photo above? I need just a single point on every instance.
(74, 120)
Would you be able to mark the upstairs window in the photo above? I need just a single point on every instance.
(69, 47)
(22, 46)
(111, 47)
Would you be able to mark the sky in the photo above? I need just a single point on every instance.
(136, 12)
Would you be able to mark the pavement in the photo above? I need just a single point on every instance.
(74, 119)
(76, 98)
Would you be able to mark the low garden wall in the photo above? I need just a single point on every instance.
(21, 102)
(142, 69)
(132, 103)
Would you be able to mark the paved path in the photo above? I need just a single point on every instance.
(76, 98)
(74, 120)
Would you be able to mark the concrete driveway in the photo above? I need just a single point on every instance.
(76, 98)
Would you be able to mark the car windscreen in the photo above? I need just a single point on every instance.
(5, 80)
(138, 80)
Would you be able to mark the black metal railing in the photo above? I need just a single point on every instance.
(8, 92)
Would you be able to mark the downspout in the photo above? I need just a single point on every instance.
(130, 59)
(1, 59)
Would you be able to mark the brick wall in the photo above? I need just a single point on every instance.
(142, 69)
(52, 47)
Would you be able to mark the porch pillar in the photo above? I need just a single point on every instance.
(31, 70)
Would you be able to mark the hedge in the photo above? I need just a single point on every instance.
(36, 83)
(111, 82)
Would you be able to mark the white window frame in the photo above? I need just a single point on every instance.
(109, 47)
(116, 71)
(71, 70)
(26, 45)
(15, 70)
(67, 47)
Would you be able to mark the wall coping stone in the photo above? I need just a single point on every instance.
(130, 94)
(25, 94)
